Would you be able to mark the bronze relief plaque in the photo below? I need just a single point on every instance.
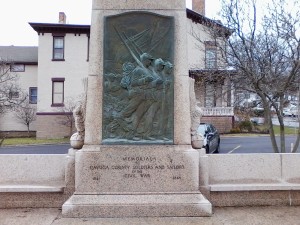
(138, 83)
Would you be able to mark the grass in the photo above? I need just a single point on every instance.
(287, 130)
(32, 141)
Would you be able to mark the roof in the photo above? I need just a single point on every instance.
(211, 72)
(19, 54)
(85, 29)
(60, 28)
(199, 18)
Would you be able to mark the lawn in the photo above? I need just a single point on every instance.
(261, 130)
(287, 130)
(32, 141)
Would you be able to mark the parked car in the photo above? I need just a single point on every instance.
(211, 137)
(292, 111)
(287, 112)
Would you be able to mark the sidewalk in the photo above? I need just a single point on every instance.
(271, 215)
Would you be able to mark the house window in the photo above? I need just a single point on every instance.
(13, 94)
(33, 95)
(210, 55)
(247, 95)
(58, 47)
(58, 92)
(17, 68)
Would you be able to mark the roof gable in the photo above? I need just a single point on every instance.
(19, 54)
(205, 21)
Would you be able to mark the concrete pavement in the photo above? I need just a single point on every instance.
(271, 215)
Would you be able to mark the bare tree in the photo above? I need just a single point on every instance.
(26, 114)
(67, 113)
(10, 93)
(264, 49)
(266, 55)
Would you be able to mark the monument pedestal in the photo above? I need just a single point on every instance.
(136, 181)
(137, 158)
(138, 205)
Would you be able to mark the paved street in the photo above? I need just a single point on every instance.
(36, 149)
(271, 215)
(251, 144)
(229, 144)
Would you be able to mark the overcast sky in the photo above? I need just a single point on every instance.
(15, 15)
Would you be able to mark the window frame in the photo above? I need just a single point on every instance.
(30, 95)
(55, 37)
(54, 81)
(211, 63)
(12, 69)
(13, 95)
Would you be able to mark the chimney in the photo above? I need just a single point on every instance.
(199, 6)
(62, 18)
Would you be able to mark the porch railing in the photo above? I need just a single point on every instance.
(217, 111)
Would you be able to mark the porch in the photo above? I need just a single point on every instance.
(217, 111)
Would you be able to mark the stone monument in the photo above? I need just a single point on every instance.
(137, 158)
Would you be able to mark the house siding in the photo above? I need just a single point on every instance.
(74, 69)
(50, 126)
(26, 79)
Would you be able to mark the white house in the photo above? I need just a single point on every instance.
(213, 87)
(62, 66)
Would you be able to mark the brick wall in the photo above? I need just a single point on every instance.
(223, 123)
(49, 126)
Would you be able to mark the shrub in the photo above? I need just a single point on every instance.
(246, 126)
(262, 130)
(235, 130)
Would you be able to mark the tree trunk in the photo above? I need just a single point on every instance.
(28, 130)
(268, 117)
(1, 141)
(272, 135)
(298, 116)
(297, 139)
(281, 125)
(282, 135)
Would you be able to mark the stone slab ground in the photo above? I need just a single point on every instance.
(222, 216)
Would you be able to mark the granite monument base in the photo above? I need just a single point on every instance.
(138, 205)
(137, 181)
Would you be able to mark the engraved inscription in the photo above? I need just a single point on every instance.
(138, 167)
(99, 167)
(96, 178)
